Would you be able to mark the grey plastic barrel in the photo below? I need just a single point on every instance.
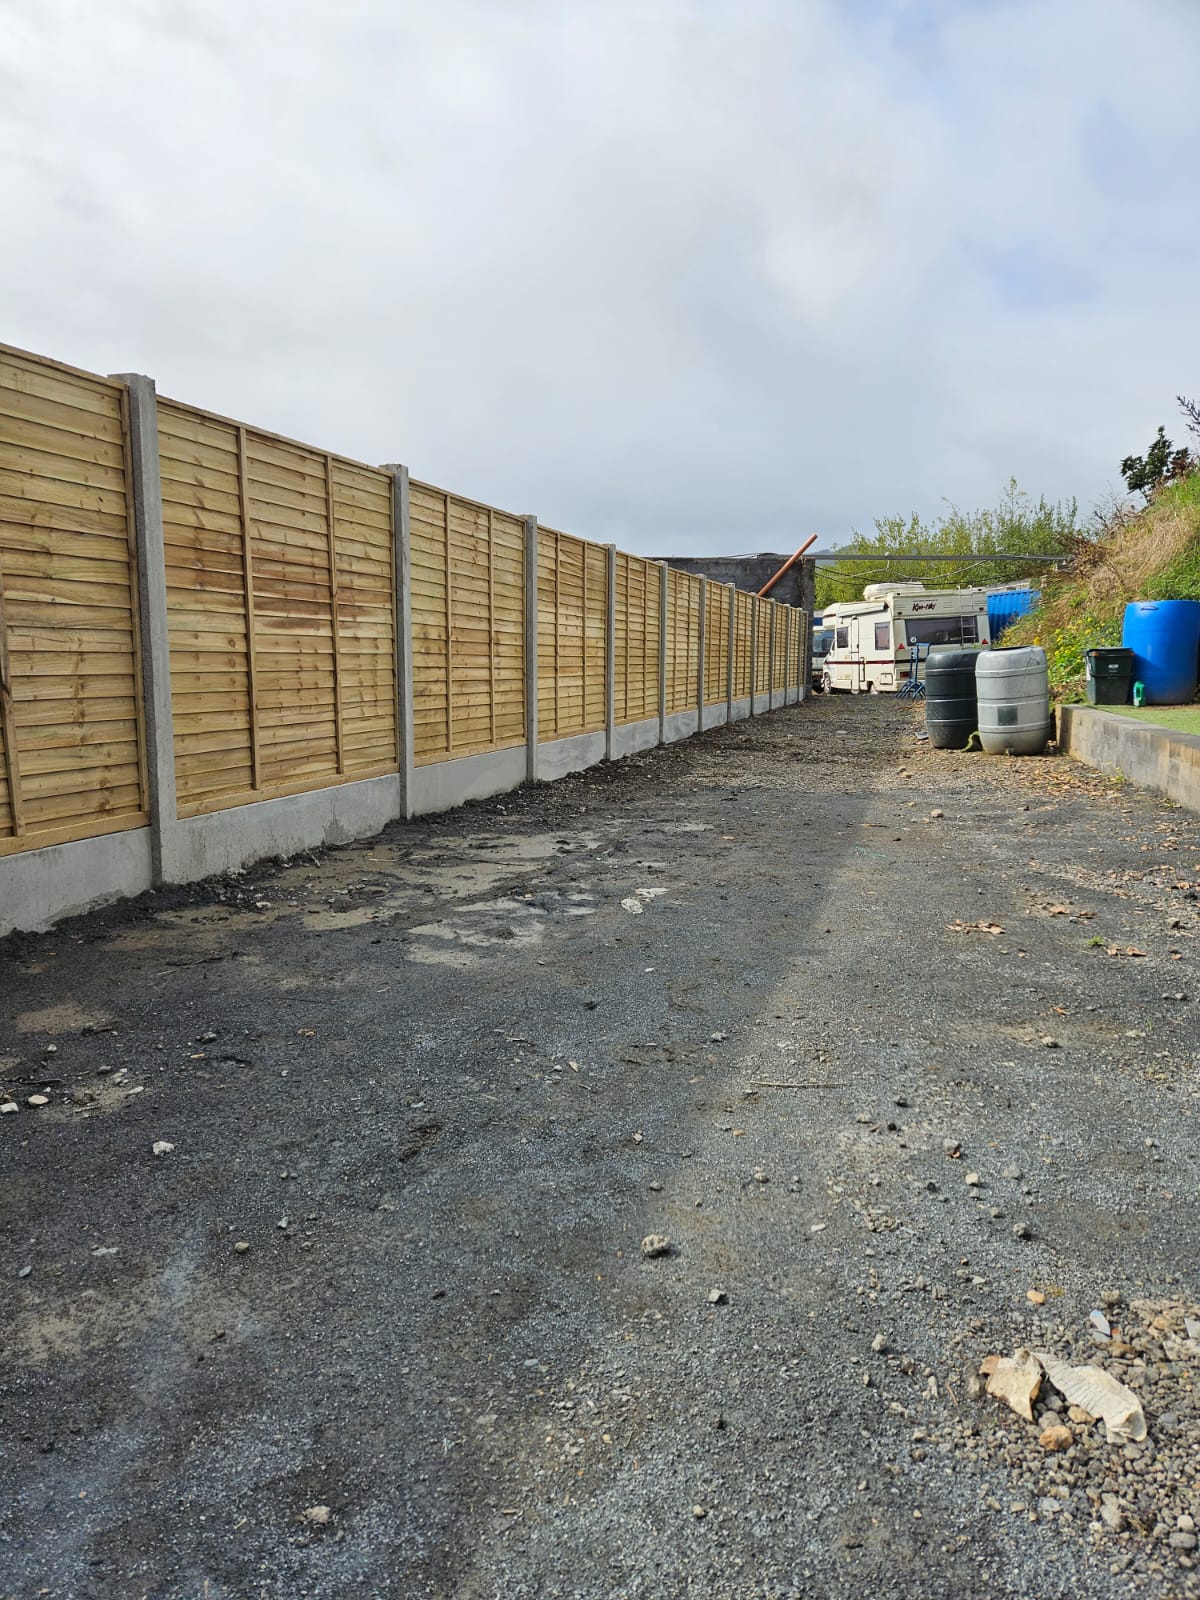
(951, 715)
(1013, 691)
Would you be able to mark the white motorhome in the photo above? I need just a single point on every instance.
(874, 639)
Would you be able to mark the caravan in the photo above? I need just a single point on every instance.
(880, 640)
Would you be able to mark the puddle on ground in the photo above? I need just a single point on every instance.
(513, 924)
(474, 867)
(66, 1017)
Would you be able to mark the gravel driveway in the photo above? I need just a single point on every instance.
(896, 1047)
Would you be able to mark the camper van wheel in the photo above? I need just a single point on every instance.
(826, 683)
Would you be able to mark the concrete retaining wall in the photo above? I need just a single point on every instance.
(1153, 757)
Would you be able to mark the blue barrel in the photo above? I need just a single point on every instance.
(1164, 636)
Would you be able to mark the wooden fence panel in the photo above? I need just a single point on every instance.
(365, 605)
(208, 606)
(72, 759)
(280, 605)
(468, 605)
(635, 676)
(716, 643)
(572, 635)
(794, 678)
(743, 605)
(683, 639)
(783, 616)
(762, 654)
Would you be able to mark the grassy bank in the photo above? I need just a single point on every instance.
(1153, 555)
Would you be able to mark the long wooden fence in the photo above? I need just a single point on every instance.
(326, 621)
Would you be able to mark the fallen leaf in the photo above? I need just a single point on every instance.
(1092, 1389)
(1016, 1380)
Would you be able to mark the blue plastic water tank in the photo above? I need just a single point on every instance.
(1164, 636)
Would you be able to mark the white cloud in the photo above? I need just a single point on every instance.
(687, 274)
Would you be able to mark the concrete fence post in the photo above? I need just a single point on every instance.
(664, 606)
(786, 631)
(754, 610)
(700, 671)
(158, 729)
(402, 573)
(531, 648)
(771, 660)
(729, 677)
(610, 653)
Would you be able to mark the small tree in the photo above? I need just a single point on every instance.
(1144, 474)
(1163, 463)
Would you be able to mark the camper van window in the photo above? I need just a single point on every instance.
(883, 636)
(843, 639)
(941, 630)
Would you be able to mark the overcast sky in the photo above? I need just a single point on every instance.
(690, 275)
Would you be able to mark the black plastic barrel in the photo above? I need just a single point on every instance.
(951, 710)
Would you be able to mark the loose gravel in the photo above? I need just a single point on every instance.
(894, 1067)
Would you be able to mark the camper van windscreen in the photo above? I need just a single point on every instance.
(941, 630)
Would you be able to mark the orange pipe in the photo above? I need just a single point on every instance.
(787, 566)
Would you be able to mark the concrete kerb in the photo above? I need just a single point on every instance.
(740, 709)
(1151, 756)
(714, 716)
